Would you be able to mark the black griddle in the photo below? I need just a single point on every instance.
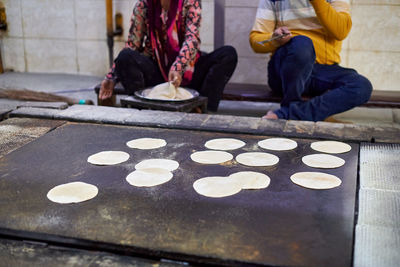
(283, 224)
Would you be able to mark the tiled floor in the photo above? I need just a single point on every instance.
(377, 237)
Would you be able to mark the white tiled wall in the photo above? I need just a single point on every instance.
(372, 48)
(69, 36)
(239, 18)
(374, 42)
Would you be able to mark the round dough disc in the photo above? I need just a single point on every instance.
(251, 180)
(72, 192)
(217, 186)
(146, 143)
(333, 147)
(224, 144)
(257, 159)
(323, 161)
(315, 180)
(108, 158)
(211, 157)
(167, 164)
(278, 144)
(149, 177)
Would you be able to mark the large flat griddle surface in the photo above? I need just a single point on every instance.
(282, 225)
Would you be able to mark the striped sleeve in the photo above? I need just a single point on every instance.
(263, 28)
(334, 17)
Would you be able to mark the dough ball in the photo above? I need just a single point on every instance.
(323, 161)
(183, 94)
(224, 144)
(278, 144)
(146, 143)
(164, 91)
(333, 147)
(166, 164)
(217, 186)
(257, 159)
(74, 192)
(211, 157)
(315, 180)
(149, 177)
(108, 158)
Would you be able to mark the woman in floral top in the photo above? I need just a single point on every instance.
(164, 45)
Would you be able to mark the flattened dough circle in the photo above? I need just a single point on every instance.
(72, 193)
(211, 157)
(108, 158)
(278, 144)
(224, 144)
(257, 159)
(333, 147)
(216, 186)
(251, 180)
(167, 164)
(315, 180)
(146, 143)
(149, 177)
(323, 161)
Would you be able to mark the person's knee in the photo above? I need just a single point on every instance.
(361, 91)
(365, 89)
(125, 57)
(301, 48)
(229, 55)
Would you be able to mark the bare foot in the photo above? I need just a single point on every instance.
(270, 116)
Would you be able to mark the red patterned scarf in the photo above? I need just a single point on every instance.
(166, 50)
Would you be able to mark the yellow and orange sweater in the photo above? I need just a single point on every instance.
(325, 22)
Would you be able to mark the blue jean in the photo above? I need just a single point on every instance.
(292, 72)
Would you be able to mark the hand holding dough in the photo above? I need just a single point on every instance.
(167, 91)
(163, 91)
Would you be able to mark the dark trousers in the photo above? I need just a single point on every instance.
(212, 72)
(292, 72)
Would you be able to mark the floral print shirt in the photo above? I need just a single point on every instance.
(139, 36)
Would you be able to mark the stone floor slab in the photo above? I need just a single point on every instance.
(380, 166)
(376, 246)
(27, 254)
(379, 208)
(4, 112)
(28, 112)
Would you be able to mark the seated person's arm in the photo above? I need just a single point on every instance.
(135, 41)
(191, 44)
(263, 28)
(137, 27)
(334, 17)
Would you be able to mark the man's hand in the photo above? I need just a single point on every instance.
(106, 89)
(175, 78)
(282, 41)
